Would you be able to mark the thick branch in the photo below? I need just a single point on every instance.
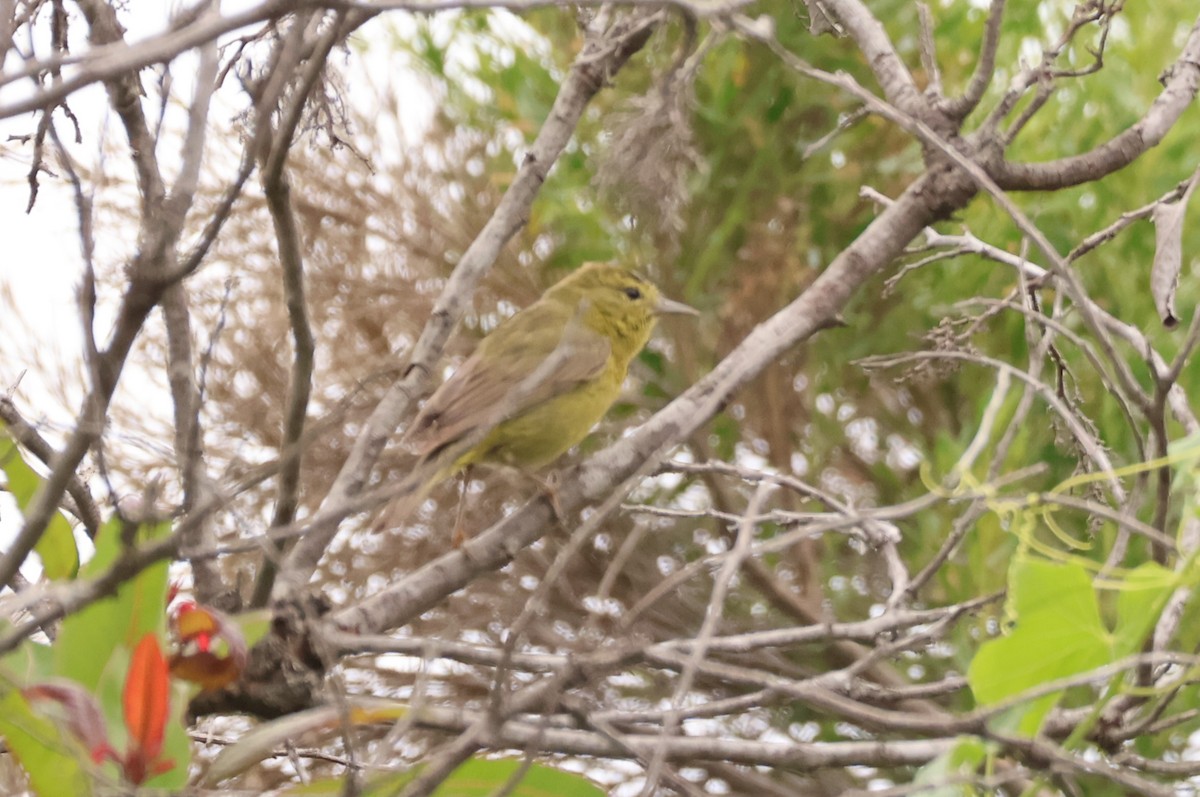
(1180, 85)
(889, 69)
(181, 374)
(799, 757)
(816, 308)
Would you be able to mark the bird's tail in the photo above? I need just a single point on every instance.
(413, 489)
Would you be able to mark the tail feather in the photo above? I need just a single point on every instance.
(414, 488)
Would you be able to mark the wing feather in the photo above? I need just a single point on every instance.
(474, 394)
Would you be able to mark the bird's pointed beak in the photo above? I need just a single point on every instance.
(667, 306)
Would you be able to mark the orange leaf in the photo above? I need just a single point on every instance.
(208, 670)
(147, 700)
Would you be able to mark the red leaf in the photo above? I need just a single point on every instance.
(137, 767)
(82, 715)
(147, 704)
(194, 624)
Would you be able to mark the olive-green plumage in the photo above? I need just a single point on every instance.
(595, 321)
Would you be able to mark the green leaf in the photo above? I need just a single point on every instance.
(56, 547)
(1140, 600)
(478, 777)
(45, 751)
(1058, 594)
(960, 761)
(28, 662)
(253, 625)
(1186, 480)
(481, 777)
(1057, 633)
(22, 481)
(89, 637)
(1186, 452)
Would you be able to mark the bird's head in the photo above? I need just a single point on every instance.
(616, 302)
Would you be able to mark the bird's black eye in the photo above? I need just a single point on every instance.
(633, 293)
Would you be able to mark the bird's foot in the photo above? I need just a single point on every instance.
(549, 486)
(460, 535)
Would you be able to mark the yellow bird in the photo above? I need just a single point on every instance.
(592, 323)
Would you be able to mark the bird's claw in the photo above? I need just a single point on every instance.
(549, 487)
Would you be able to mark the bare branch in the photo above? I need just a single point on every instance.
(889, 69)
(185, 392)
(1181, 82)
(798, 757)
(277, 189)
(985, 68)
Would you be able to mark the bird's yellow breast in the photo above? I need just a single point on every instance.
(544, 432)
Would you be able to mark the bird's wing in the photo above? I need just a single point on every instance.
(474, 396)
